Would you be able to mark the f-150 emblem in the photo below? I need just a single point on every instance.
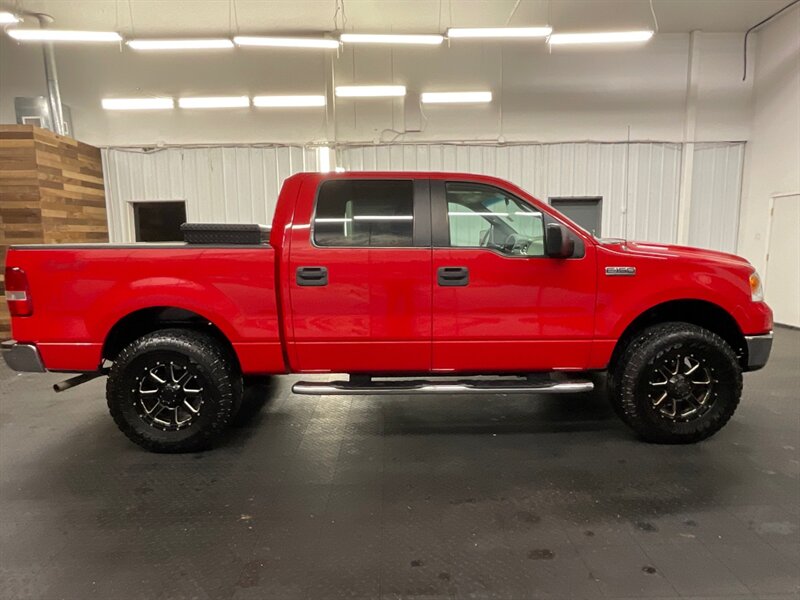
(621, 271)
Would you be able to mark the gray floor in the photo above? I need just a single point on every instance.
(424, 497)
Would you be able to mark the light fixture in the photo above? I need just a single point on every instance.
(137, 103)
(370, 91)
(286, 42)
(215, 102)
(600, 37)
(8, 18)
(498, 32)
(455, 97)
(375, 38)
(63, 35)
(288, 101)
(187, 44)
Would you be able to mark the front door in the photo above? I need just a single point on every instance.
(499, 304)
(359, 280)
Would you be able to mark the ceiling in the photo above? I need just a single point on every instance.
(143, 18)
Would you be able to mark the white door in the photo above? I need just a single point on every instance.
(782, 279)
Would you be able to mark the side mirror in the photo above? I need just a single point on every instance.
(557, 241)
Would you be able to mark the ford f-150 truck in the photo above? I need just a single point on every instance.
(408, 283)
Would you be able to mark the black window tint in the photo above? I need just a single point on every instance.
(365, 213)
(159, 221)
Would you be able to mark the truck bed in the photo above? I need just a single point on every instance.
(81, 291)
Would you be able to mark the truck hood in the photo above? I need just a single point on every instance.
(647, 249)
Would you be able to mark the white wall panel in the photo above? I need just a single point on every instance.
(639, 182)
(716, 195)
(219, 184)
(652, 171)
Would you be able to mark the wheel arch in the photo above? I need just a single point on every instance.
(702, 313)
(147, 320)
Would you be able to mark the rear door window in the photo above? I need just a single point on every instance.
(365, 213)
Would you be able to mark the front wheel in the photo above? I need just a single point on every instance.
(173, 391)
(676, 383)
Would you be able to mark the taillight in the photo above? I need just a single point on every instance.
(18, 293)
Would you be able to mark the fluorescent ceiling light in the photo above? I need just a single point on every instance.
(286, 42)
(455, 97)
(499, 32)
(137, 103)
(288, 101)
(215, 102)
(370, 38)
(370, 91)
(7, 18)
(63, 35)
(600, 37)
(196, 44)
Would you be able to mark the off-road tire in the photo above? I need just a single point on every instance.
(660, 345)
(209, 362)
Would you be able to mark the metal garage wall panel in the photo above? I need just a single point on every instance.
(716, 196)
(219, 184)
(639, 182)
(557, 170)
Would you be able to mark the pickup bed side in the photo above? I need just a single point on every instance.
(84, 294)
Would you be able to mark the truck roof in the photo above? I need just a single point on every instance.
(402, 175)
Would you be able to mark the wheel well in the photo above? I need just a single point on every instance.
(697, 312)
(148, 320)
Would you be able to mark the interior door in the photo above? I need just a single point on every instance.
(359, 286)
(782, 277)
(499, 304)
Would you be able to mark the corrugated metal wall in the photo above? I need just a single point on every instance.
(716, 195)
(220, 184)
(241, 184)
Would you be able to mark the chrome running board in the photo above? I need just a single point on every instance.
(415, 387)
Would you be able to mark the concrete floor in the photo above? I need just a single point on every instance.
(424, 497)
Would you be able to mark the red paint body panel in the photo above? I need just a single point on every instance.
(382, 310)
(80, 294)
(517, 314)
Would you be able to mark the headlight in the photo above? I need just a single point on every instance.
(756, 291)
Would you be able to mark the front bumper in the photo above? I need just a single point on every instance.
(758, 349)
(22, 357)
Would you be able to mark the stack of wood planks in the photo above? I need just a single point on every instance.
(51, 192)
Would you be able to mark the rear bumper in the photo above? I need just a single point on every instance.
(758, 349)
(22, 357)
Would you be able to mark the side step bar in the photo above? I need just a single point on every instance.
(414, 387)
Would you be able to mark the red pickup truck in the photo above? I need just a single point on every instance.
(410, 283)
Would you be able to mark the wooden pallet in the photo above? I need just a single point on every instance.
(51, 192)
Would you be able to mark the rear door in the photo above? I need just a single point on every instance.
(499, 304)
(359, 286)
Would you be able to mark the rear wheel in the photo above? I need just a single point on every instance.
(173, 390)
(676, 383)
